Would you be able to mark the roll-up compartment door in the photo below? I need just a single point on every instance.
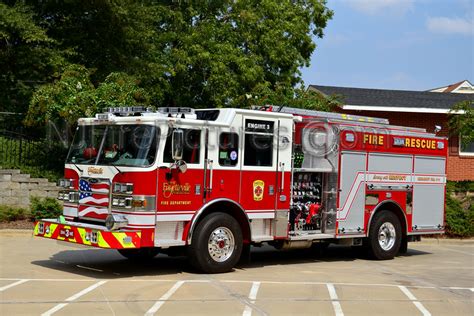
(352, 192)
(428, 193)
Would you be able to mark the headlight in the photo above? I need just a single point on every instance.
(123, 188)
(63, 195)
(124, 202)
(66, 183)
(68, 196)
(74, 196)
(115, 221)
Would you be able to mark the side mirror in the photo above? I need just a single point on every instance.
(181, 166)
(177, 144)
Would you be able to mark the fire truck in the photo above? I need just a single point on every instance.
(213, 182)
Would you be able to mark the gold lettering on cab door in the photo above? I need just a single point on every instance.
(171, 188)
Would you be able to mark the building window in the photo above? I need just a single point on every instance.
(466, 149)
(192, 146)
(258, 149)
(228, 149)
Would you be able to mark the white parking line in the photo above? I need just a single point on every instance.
(163, 299)
(3, 288)
(73, 298)
(334, 299)
(415, 301)
(461, 288)
(245, 281)
(252, 298)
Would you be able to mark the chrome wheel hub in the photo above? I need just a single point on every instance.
(221, 244)
(387, 236)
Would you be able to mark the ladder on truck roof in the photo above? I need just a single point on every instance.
(336, 116)
(328, 115)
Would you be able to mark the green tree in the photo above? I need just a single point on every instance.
(28, 57)
(73, 96)
(223, 50)
(299, 97)
(463, 124)
(110, 36)
(199, 54)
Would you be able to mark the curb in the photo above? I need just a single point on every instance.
(445, 241)
(9, 232)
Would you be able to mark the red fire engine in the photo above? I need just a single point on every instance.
(215, 181)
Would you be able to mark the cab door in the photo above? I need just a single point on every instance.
(181, 193)
(259, 177)
(223, 157)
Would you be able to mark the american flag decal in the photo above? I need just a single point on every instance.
(93, 199)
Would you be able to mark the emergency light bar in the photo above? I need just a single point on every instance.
(175, 110)
(128, 110)
(328, 115)
(123, 111)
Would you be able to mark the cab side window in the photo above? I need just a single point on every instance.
(192, 146)
(258, 149)
(228, 149)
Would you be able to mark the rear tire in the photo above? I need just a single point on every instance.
(139, 254)
(216, 244)
(385, 236)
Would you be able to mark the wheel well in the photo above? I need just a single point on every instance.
(227, 207)
(393, 207)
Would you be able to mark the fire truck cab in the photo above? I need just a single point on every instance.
(216, 181)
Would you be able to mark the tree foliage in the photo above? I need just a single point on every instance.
(463, 124)
(28, 56)
(73, 95)
(299, 97)
(182, 53)
(224, 50)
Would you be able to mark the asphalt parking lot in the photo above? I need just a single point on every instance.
(43, 277)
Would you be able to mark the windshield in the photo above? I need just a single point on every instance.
(119, 145)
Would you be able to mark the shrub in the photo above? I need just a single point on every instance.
(45, 208)
(10, 213)
(459, 210)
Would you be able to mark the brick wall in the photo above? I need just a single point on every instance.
(16, 188)
(459, 167)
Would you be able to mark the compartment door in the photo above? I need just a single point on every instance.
(428, 193)
(350, 213)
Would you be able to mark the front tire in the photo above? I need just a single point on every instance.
(385, 236)
(216, 244)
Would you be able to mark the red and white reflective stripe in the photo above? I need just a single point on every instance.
(173, 218)
(344, 211)
(385, 178)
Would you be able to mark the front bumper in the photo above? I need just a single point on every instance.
(88, 235)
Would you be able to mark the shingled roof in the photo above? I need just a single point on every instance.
(393, 100)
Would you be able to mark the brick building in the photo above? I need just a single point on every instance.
(411, 108)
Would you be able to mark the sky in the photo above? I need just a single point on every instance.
(395, 44)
